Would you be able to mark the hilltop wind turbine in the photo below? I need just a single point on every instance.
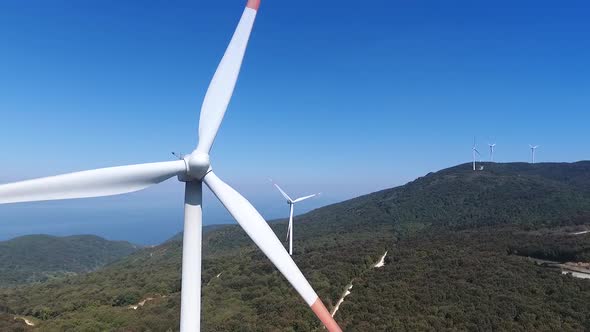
(533, 150)
(492, 148)
(291, 203)
(193, 170)
(475, 154)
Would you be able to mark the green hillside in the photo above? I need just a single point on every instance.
(206, 230)
(514, 193)
(37, 258)
(470, 280)
(456, 243)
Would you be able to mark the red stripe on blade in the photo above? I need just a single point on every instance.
(254, 4)
(324, 315)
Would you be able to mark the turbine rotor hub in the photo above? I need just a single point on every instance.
(198, 165)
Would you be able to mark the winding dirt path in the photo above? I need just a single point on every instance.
(28, 322)
(348, 289)
(144, 301)
(381, 262)
(344, 295)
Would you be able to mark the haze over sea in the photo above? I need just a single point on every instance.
(344, 98)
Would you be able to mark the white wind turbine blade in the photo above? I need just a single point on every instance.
(259, 231)
(301, 199)
(283, 193)
(224, 81)
(95, 183)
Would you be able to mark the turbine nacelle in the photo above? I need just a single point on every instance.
(198, 164)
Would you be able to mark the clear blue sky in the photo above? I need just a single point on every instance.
(343, 97)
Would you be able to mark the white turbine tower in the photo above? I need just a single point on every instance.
(533, 150)
(291, 203)
(475, 154)
(492, 148)
(193, 170)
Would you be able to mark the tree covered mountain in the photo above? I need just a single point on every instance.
(36, 258)
(456, 241)
(513, 193)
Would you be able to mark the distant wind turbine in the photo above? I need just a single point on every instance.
(533, 150)
(475, 154)
(291, 203)
(492, 148)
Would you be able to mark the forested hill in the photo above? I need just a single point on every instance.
(206, 230)
(35, 258)
(533, 194)
(451, 238)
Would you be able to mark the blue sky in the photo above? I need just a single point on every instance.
(342, 97)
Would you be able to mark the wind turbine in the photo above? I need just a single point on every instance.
(291, 203)
(193, 170)
(533, 149)
(492, 148)
(475, 154)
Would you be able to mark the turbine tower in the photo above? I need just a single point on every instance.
(475, 154)
(291, 203)
(194, 170)
(492, 148)
(533, 150)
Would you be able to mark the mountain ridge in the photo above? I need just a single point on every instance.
(452, 232)
(36, 258)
